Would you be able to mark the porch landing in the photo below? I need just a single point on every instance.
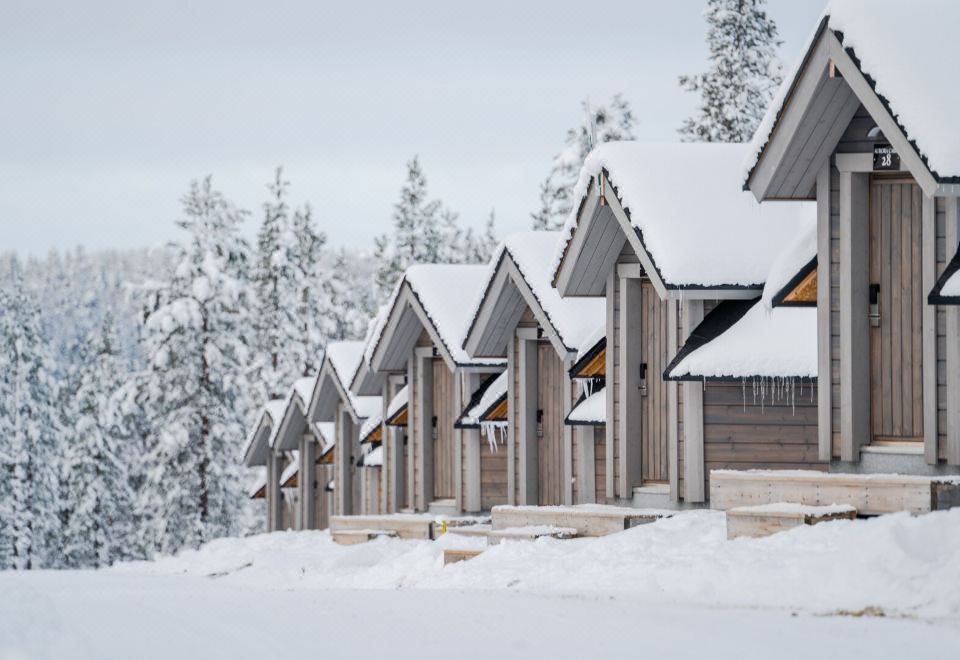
(422, 526)
(585, 519)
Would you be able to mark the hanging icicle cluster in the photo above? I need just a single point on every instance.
(778, 388)
(494, 432)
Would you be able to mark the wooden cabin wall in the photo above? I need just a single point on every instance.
(493, 470)
(445, 409)
(324, 508)
(613, 372)
(654, 432)
(600, 462)
(550, 389)
(575, 466)
(371, 482)
(944, 253)
(741, 432)
(835, 310)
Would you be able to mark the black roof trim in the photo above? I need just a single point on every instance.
(720, 319)
(935, 298)
(778, 298)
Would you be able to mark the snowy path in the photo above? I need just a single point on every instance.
(675, 588)
(88, 615)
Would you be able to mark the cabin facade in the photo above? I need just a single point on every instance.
(521, 318)
(588, 419)
(486, 412)
(663, 258)
(332, 402)
(418, 340)
(260, 452)
(860, 129)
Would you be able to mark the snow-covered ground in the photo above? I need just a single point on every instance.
(886, 587)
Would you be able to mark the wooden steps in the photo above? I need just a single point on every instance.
(585, 520)
(869, 494)
(403, 525)
(767, 519)
(452, 556)
(355, 536)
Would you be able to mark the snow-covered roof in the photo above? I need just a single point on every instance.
(573, 318)
(686, 200)
(269, 417)
(777, 343)
(398, 402)
(591, 411)
(292, 468)
(258, 484)
(905, 49)
(590, 341)
(325, 433)
(374, 458)
(494, 392)
(345, 357)
(303, 388)
(441, 290)
(370, 424)
(791, 260)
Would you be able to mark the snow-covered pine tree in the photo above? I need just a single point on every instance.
(601, 123)
(195, 388)
(275, 279)
(97, 497)
(478, 248)
(308, 244)
(744, 73)
(30, 527)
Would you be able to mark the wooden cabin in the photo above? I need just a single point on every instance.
(865, 129)
(487, 412)
(259, 452)
(522, 318)
(295, 437)
(756, 364)
(419, 338)
(371, 465)
(588, 417)
(325, 433)
(663, 233)
(332, 401)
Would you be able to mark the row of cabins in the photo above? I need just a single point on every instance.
(710, 313)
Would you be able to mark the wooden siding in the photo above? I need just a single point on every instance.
(943, 254)
(324, 499)
(896, 357)
(493, 471)
(371, 483)
(742, 433)
(835, 310)
(600, 462)
(445, 410)
(550, 374)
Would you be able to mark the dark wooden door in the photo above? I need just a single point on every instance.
(654, 354)
(897, 298)
(445, 411)
(550, 435)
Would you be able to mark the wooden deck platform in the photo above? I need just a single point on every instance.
(452, 556)
(404, 525)
(767, 519)
(355, 536)
(585, 520)
(869, 494)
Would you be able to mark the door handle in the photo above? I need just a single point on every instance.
(875, 305)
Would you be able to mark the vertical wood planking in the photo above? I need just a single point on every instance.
(631, 417)
(929, 321)
(567, 395)
(693, 416)
(527, 423)
(824, 404)
(610, 367)
(672, 421)
(512, 439)
(952, 236)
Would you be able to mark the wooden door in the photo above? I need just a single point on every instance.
(550, 441)
(444, 410)
(653, 354)
(896, 354)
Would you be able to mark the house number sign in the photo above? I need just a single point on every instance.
(885, 158)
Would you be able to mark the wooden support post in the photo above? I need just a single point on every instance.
(693, 471)
(307, 482)
(611, 378)
(344, 459)
(824, 376)
(630, 416)
(527, 422)
(673, 417)
(928, 240)
(854, 320)
(567, 434)
(458, 402)
(274, 496)
(471, 454)
(512, 439)
(424, 438)
(413, 395)
(952, 313)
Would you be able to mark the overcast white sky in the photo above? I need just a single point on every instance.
(109, 109)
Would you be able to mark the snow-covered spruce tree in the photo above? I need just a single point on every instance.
(478, 248)
(743, 76)
(308, 259)
(601, 123)
(30, 503)
(194, 388)
(97, 496)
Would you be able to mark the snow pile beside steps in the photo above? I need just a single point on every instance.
(897, 564)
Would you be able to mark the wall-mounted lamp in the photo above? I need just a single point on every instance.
(643, 379)
(539, 423)
(434, 430)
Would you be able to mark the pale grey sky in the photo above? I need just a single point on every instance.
(110, 108)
